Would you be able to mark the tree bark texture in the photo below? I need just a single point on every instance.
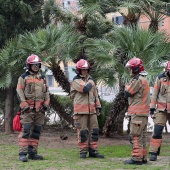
(60, 77)
(9, 111)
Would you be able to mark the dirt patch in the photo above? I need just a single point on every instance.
(50, 138)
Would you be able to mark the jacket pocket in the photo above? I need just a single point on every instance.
(136, 128)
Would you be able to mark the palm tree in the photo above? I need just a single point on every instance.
(131, 12)
(51, 44)
(155, 11)
(119, 45)
(15, 18)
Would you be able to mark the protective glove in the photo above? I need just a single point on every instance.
(98, 111)
(44, 108)
(24, 107)
(152, 112)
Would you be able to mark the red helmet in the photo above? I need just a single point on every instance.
(82, 64)
(168, 66)
(33, 59)
(136, 64)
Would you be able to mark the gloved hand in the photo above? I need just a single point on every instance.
(44, 108)
(98, 111)
(24, 106)
(152, 112)
(26, 109)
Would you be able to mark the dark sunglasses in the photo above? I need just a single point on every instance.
(36, 65)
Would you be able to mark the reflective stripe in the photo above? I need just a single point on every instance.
(47, 103)
(139, 109)
(129, 89)
(165, 83)
(33, 142)
(20, 87)
(94, 145)
(153, 102)
(23, 104)
(98, 103)
(31, 80)
(83, 146)
(155, 142)
(81, 86)
(137, 151)
(80, 108)
(25, 142)
(156, 87)
(146, 90)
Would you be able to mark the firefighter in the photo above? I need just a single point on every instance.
(138, 94)
(33, 94)
(86, 108)
(159, 110)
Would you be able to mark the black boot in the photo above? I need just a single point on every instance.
(133, 162)
(144, 161)
(153, 157)
(23, 158)
(34, 156)
(83, 154)
(93, 153)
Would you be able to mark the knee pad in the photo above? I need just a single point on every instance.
(26, 130)
(95, 134)
(158, 132)
(84, 135)
(36, 131)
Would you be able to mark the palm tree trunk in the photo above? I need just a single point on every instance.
(153, 25)
(60, 77)
(9, 111)
(55, 104)
(116, 114)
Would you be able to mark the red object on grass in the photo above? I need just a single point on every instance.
(17, 123)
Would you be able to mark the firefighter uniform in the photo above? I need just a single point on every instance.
(139, 91)
(85, 99)
(34, 99)
(138, 94)
(161, 103)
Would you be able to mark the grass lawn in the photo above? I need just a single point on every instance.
(68, 159)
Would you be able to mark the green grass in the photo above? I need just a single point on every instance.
(68, 159)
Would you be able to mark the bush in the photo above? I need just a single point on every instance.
(106, 106)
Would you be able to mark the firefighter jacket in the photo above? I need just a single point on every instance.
(84, 95)
(161, 94)
(138, 93)
(32, 91)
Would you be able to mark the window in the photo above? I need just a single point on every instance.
(118, 20)
(50, 80)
